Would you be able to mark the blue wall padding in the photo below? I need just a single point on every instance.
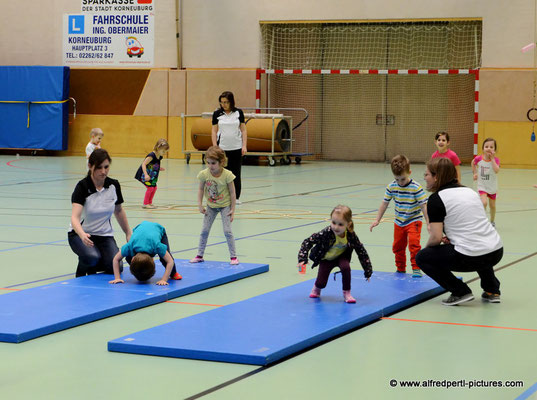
(42, 310)
(274, 325)
(48, 128)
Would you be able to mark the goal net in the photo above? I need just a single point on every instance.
(374, 90)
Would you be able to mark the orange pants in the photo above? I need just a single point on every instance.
(411, 235)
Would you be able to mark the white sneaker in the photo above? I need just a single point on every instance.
(238, 202)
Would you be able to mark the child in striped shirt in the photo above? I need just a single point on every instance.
(410, 204)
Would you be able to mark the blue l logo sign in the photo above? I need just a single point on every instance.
(76, 24)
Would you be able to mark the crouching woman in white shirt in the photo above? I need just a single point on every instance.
(470, 242)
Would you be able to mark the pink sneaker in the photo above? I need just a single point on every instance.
(234, 261)
(315, 292)
(197, 259)
(348, 297)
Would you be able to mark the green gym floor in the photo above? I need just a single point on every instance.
(282, 205)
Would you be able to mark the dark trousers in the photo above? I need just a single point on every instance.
(234, 164)
(439, 261)
(93, 259)
(326, 266)
(164, 241)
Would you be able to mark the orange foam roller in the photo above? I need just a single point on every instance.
(259, 134)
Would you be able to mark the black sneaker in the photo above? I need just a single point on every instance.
(491, 297)
(456, 300)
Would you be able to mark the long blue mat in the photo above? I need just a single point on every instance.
(266, 328)
(42, 310)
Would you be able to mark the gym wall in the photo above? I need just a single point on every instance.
(220, 51)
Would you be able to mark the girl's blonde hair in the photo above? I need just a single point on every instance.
(96, 132)
(161, 144)
(346, 213)
(216, 153)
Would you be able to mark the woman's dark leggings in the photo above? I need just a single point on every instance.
(234, 164)
(439, 261)
(326, 266)
(93, 259)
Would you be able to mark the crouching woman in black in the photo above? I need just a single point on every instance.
(461, 238)
(95, 199)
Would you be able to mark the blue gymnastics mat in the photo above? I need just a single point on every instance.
(50, 308)
(34, 107)
(266, 328)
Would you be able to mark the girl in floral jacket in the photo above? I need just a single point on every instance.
(332, 247)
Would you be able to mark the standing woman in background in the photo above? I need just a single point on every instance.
(95, 199)
(229, 133)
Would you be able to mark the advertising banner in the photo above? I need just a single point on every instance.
(111, 33)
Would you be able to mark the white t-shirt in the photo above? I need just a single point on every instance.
(487, 180)
(229, 136)
(465, 221)
(89, 149)
(99, 206)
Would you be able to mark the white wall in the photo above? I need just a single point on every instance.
(220, 34)
(225, 34)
